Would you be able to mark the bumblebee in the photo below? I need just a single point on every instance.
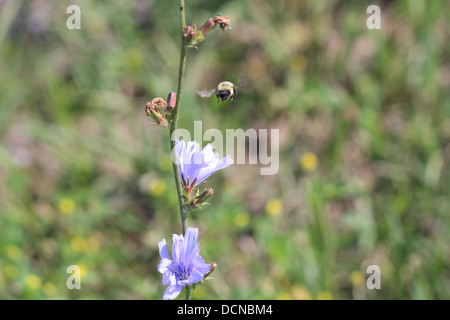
(224, 91)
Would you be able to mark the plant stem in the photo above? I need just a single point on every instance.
(188, 293)
(173, 127)
(175, 113)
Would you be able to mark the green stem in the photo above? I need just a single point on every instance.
(175, 113)
(188, 293)
(173, 127)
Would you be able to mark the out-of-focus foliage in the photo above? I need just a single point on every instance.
(364, 120)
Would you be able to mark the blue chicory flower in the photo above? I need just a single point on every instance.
(197, 165)
(186, 268)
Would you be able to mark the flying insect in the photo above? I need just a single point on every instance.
(224, 91)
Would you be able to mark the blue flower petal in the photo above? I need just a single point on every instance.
(196, 164)
(200, 265)
(177, 249)
(163, 249)
(191, 245)
(187, 266)
(169, 278)
(195, 277)
(165, 258)
(164, 265)
(172, 292)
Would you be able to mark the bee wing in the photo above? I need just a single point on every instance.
(241, 82)
(205, 93)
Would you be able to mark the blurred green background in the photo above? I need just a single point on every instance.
(364, 120)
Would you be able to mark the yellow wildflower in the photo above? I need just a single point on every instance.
(274, 207)
(33, 282)
(66, 206)
(241, 219)
(308, 161)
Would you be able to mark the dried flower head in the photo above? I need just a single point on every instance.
(155, 107)
(155, 104)
(223, 21)
(192, 36)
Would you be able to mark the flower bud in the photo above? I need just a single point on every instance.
(207, 27)
(189, 33)
(213, 266)
(205, 195)
(193, 199)
(171, 101)
(158, 117)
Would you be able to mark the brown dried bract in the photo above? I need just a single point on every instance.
(223, 21)
(155, 104)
